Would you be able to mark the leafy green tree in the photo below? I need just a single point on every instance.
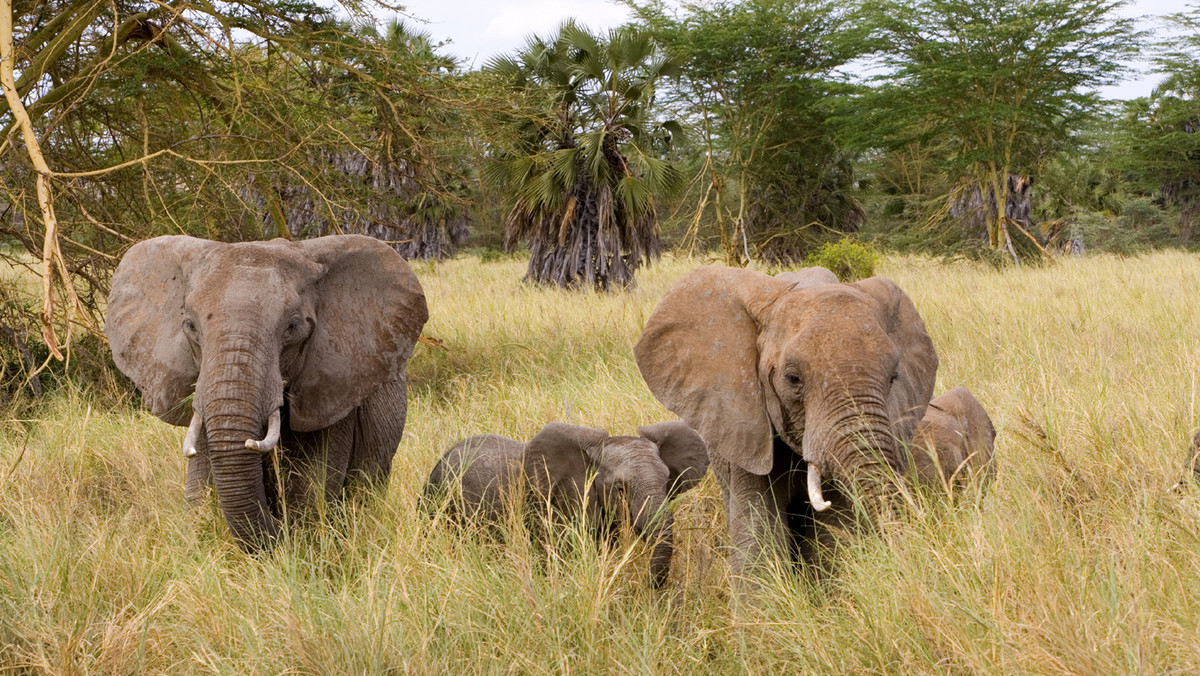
(405, 180)
(759, 85)
(585, 166)
(1161, 143)
(1006, 83)
(122, 120)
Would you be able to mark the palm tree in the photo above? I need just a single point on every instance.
(586, 167)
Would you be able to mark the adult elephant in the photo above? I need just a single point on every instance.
(802, 387)
(250, 345)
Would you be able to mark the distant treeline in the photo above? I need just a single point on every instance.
(758, 130)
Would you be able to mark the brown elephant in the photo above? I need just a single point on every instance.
(300, 344)
(569, 468)
(954, 442)
(803, 387)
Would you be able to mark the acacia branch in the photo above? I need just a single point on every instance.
(51, 253)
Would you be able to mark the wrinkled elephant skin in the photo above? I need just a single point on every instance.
(300, 345)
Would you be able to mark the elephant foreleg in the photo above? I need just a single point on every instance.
(379, 426)
(757, 529)
(313, 465)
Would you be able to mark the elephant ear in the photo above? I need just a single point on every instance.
(369, 312)
(559, 458)
(699, 356)
(145, 323)
(917, 370)
(683, 452)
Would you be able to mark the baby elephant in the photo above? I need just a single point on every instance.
(953, 441)
(639, 474)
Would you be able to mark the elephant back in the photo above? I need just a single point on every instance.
(476, 475)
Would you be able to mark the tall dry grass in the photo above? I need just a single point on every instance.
(1078, 559)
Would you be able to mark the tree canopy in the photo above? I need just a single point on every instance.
(749, 130)
(1003, 85)
(759, 84)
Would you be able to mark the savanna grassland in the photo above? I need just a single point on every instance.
(1078, 559)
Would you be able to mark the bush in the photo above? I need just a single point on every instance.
(849, 260)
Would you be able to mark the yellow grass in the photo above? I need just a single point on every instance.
(1079, 559)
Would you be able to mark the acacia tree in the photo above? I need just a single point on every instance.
(1005, 83)
(585, 167)
(133, 119)
(404, 182)
(759, 85)
(1160, 144)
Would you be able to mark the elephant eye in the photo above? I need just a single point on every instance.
(894, 378)
(189, 326)
(792, 379)
(295, 328)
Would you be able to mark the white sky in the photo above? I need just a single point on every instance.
(480, 29)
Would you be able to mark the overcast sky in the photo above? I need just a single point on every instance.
(480, 29)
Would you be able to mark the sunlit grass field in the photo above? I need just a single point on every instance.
(1078, 559)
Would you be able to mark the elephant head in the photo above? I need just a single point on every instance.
(839, 373)
(255, 330)
(955, 439)
(635, 478)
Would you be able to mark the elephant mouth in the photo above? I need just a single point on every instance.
(815, 496)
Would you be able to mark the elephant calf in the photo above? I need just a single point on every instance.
(953, 441)
(570, 467)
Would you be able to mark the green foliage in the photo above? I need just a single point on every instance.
(759, 84)
(1140, 227)
(1160, 144)
(992, 87)
(585, 168)
(232, 121)
(846, 258)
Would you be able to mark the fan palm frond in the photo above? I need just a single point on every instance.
(585, 182)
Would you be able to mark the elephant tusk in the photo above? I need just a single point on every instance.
(272, 437)
(193, 433)
(814, 489)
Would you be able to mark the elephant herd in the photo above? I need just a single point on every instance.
(812, 400)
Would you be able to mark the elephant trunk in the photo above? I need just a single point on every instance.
(857, 448)
(239, 388)
(653, 521)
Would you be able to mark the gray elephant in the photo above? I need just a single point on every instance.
(569, 467)
(954, 442)
(258, 344)
(802, 387)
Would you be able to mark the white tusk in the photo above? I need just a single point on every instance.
(193, 433)
(814, 489)
(272, 437)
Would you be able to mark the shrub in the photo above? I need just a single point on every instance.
(849, 260)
